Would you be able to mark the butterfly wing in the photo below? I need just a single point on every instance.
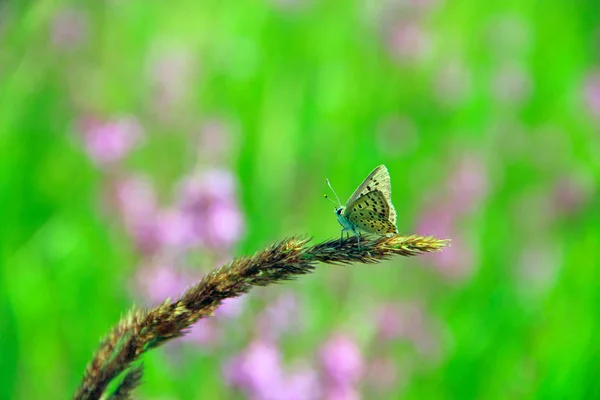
(378, 179)
(371, 212)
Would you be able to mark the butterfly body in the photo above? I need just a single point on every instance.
(370, 208)
(346, 224)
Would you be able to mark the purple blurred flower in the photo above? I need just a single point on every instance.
(591, 90)
(68, 28)
(390, 322)
(411, 322)
(455, 262)
(171, 72)
(383, 373)
(224, 224)
(107, 142)
(571, 194)
(204, 332)
(175, 230)
(301, 384)
(208, 201)
(137, 205)
(458, 262)
(215, 139)
(386, 12)
(342, 360)
(157, 282)
(207, 213)
(232, 307)
(341, 392)
(257, 371)
(437, 220)
(409, 42)
(279, 316)
(207, 186)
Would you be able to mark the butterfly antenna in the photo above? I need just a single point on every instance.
(336, 196)
(328, 198)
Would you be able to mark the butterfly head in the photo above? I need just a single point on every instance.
(339, 210)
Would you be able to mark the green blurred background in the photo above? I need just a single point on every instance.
(123, 120)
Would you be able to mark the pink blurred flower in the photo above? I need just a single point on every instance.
(107, 142)
(202, 187)
(591, 89)
(301, 384)
(69, 28)
(209, 203)
(409, 42)
(137, 205)
(341, 392)
(208, 331)
(215, 139)
(171, 71)
(257, 371)
(136, 197)
(411, 322)
(455, 262)
(232, 307)
(204, 332)
(383, 373)
(571, 194)
(259, 374)
(207, 213)
(467, 184)
(280, 316)
(342, 360)
(390, 322)
(175, 230)
(157, 282)
(438, 220)
(224, 224)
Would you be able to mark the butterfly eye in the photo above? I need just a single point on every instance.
(338, 211)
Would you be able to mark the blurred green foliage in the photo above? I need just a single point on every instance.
(314, 90)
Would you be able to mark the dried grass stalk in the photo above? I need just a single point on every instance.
(142, 330)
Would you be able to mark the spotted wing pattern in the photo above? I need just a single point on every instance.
(378, 179)
(371, 213)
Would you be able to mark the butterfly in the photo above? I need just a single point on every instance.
(370, 207)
